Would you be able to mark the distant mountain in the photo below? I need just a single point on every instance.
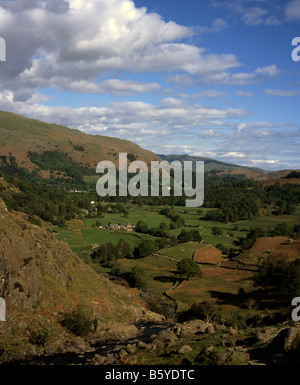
(218, 168)
(68, 155)
(209, 164)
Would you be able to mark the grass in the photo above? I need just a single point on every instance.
(181, 251)
(161, 273)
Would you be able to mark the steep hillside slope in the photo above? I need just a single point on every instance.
(41, 278)
(19, 135)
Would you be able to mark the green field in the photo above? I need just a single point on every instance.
(161, 272)
(82, 234)
(183, 250)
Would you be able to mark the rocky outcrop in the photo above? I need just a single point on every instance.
(292, 341)
(27, 253)
(41, 278)
(193, 327)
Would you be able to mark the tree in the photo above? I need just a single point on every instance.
(206, 311)
(216, 231)
(282, 230)
(281, 277)
(142, 227)
(123, 249)
(137, 277)
(184, 236)
(189, 268)
(144, 249)
(196, 236)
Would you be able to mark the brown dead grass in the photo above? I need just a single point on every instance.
(208, 254)
(272, 248)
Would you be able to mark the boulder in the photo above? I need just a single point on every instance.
(204, 353)
(292, 340)
(193, 327)
(166, 336)
(184, 349)
(131, 348)
(210, 329)
(122, 353)
(221, 327)
(141, 345)
(115, 331)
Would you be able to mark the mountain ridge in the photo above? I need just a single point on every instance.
(21, 136)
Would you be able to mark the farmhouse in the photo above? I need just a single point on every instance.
(113, 226)
(129, 227)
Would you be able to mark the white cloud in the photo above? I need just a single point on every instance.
(233, 154)
(292, 10)
(216, 26)
(75, 44)
(204, 94)
(116, 86)
(271, 70)
(264, 161)
(253, 16)
(244, 93)
(283, 93)
(261, 126)
(51, 43)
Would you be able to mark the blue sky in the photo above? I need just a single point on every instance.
(209, 78)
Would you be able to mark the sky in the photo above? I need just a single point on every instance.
(209, 78)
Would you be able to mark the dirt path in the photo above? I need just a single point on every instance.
(167, 257)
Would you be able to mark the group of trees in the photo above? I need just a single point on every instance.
(176, 218)
(188, 236)
(242, 200)
(281, 277)
(48, 203)
(280, 230)
(62, 163)
(107, 253)
(143, 228)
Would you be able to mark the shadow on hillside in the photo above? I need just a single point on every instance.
(166, 279)
(263, 299)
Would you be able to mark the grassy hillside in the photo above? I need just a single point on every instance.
(20, 135)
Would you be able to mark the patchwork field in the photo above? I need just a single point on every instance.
(162, 279)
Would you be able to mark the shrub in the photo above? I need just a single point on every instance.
(137, 277)
(78, 322)
(216, 231)
(206, 311)
(40, 337)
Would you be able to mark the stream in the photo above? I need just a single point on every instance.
(147, 332)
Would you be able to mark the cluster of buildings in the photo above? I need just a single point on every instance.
(115, 227)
